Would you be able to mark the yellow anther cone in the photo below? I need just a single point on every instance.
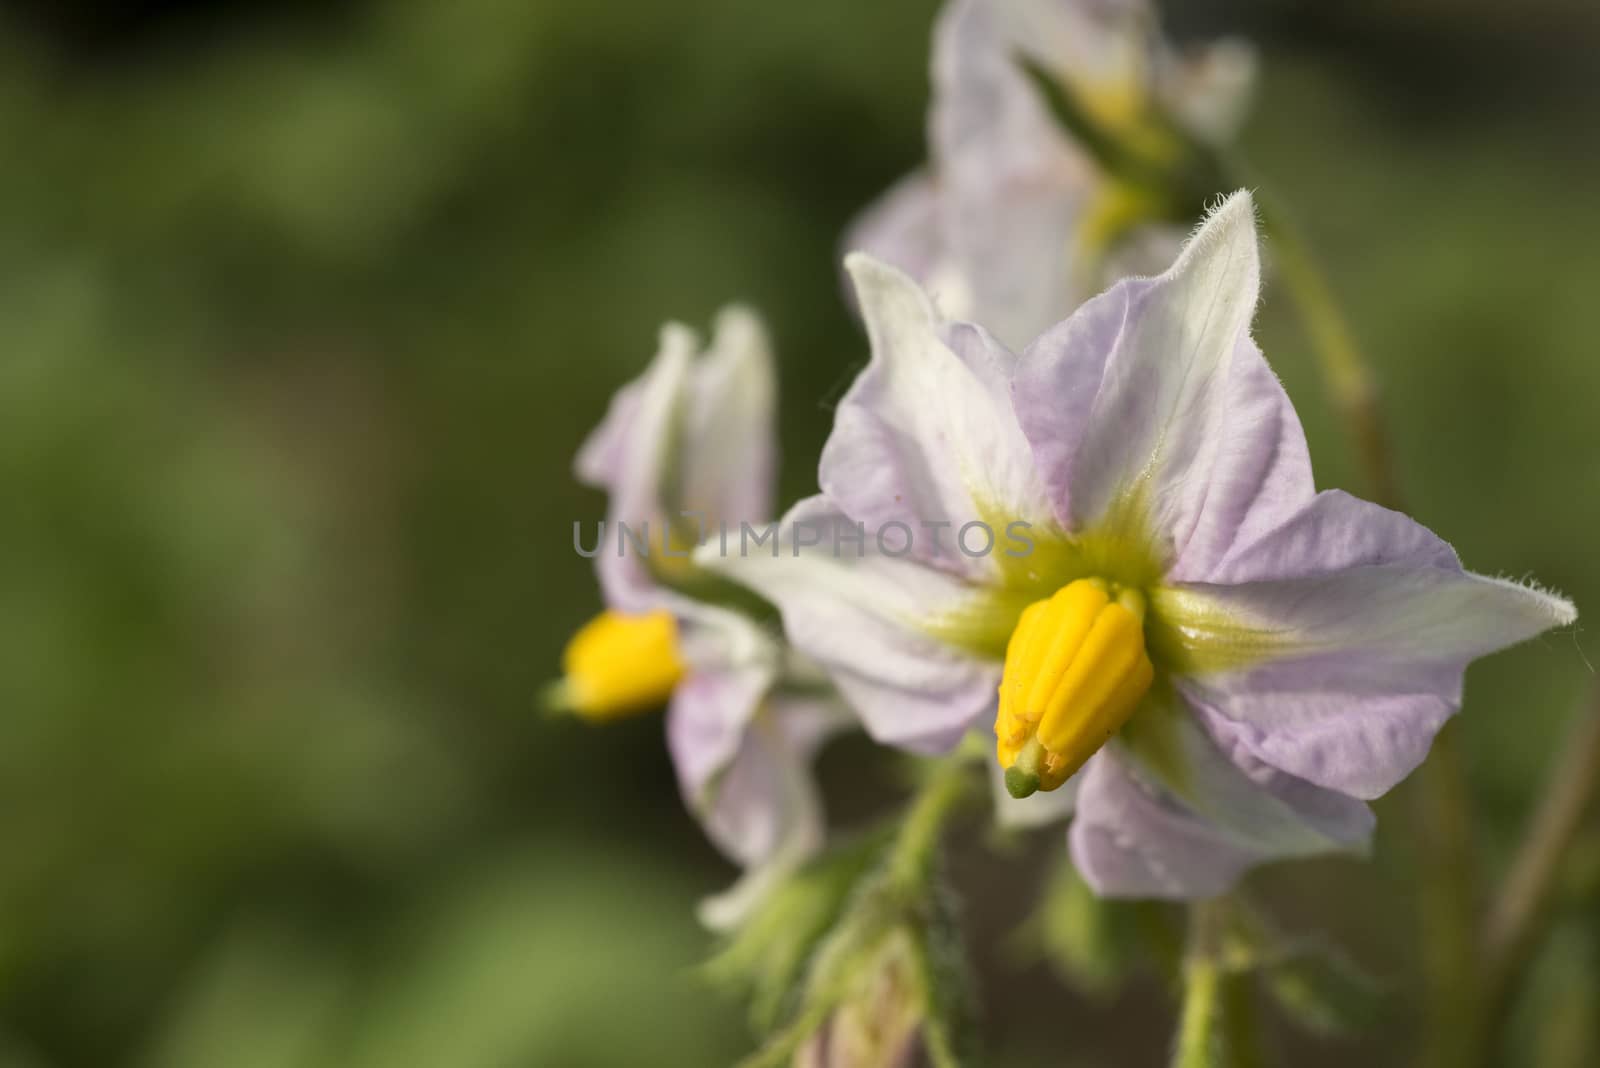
(1076, 667)
(618, 665)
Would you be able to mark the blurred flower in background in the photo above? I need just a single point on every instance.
(1013, 224)
(688, 451)
(303, 309)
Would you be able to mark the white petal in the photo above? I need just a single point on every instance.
(640, 452)
(732, 665)
(730, 451)
(1012, 188)
(692, 434)
(863, 620)
(927, 433)
(767, 814)
(1157, 422)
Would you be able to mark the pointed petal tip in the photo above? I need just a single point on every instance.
(1229, 227)
(1563, 612)
(675, 338)
(1540, 607)
(1235, 209)
(889, 298)
(855, 260)
(863, 267)
(740, 319)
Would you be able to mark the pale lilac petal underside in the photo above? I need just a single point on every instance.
(1343, 635)
(858, 617)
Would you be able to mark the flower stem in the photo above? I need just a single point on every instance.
(1522, 908)
(1217, 1026)
(911, 858)
(1199, 1038)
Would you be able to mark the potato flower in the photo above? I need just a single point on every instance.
(684, 449)
(1136, 583)
(1013, 223)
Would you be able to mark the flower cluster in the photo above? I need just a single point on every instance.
(1202, 660)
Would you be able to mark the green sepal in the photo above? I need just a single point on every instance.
(768, 956)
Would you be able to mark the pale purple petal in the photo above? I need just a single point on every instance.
(1012, 188)
(1154, 435)
(863, 620)
(694, 434)
(1056, 383)
(739, 745)
(1260, 469)
(760, 798)
(729, 676)
(730, 438)
(1197, 757)
(1336, 642)
(926, 434)
(600, 457)
(766, 814)
(638, 453)
(1256, 470)
(1138, 834)
(1130, 839)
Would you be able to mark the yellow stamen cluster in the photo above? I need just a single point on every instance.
(618, 665)
(1076, 667)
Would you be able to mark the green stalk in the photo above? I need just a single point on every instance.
(1199, 1036)
(1523, 908)
(911, 858)
(1203, 1041)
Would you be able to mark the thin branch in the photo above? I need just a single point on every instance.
(1522, 908)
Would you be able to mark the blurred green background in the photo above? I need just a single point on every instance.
(304, 310)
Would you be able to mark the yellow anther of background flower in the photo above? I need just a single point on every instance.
(1075, 670)
(618, 665)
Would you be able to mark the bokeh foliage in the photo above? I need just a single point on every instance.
(302, 315)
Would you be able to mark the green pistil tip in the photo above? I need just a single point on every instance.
(1020, 782)
(555, 699)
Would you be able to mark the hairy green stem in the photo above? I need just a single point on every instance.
(1218, 1024)
(1199, 1036)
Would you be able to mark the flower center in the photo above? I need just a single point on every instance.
(1075, 670)
(618, 665)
